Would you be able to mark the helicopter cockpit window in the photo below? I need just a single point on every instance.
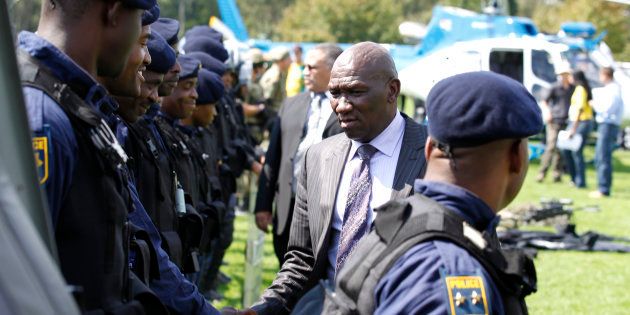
(507, 62)
(542, 66)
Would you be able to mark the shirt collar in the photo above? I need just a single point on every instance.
(474, 210)
(387, 140)
(66, 70)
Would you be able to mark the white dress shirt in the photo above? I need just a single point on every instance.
(382, 171)
(608, 104)
(316, 118)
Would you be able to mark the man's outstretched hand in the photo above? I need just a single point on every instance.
(232, 311)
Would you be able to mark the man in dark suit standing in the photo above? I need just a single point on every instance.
(344, 177)
(304, 120)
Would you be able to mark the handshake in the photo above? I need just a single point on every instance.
(232, 311)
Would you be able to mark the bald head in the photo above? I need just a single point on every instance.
(370, 58)
(364, 86)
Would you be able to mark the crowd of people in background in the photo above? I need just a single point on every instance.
(149, 142)
(571, 107)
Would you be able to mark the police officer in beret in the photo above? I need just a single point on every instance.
(437, 251)
(67, 111)
(205, 147)
(171, 287)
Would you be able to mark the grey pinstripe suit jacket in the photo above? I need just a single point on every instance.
(316, 193)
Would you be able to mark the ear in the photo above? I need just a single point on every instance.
(428, 148)
(112, 14)
(518, 156)
(393, 91)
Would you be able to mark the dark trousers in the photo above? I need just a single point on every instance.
(281, 240)
(551, 157)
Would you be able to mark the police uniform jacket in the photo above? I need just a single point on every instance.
(417, 282)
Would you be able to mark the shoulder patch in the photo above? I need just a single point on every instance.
(40, 147)
(466, 294)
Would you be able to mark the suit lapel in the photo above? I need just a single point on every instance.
(298, 109)
(411, 163)
(333, 164)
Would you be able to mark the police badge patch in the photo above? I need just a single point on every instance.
(40, 146)
(466, 294)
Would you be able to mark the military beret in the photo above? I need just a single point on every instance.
(210, 87)
(475, 108)
(168, 28)
(163, 56)
(190, 67)
(208, 62)
(151, 15)
(207, 45)
(141, 4)
(204, 31)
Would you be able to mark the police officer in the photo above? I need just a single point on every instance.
(437, 251)
(67, 112)
(148, 162)
(207, 153)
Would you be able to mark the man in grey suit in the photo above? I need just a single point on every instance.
(304, 120)
(344, 177)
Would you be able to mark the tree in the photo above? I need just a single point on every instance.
(604, 15)
(340, 21)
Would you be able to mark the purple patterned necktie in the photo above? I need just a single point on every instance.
(355, 218)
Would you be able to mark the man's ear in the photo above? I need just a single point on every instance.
(112, 12)
(393, 91)
(518, 155)
(428, 148)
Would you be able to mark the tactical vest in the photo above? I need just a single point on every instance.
(155, 183)
(402, 224)
(211, 206)
(181, 155)
(190, 223)
(92, 231)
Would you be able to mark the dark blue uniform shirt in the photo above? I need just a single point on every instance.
(47, 119)
(416, 284)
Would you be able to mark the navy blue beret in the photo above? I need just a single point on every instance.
(210, 87)
(475, 108)
(190, 67)
(141, 4)
(204, 31)
(208, 62)
(207, 45)
(163, 56)
(168, 28)
(151, 15)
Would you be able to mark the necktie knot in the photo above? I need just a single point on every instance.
(366, 151)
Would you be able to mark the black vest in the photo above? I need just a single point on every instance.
(190, 224)
(177, 144)
(402, 224)
(92, 231)
(155, 181)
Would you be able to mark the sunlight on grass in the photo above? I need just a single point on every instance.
(568, 282)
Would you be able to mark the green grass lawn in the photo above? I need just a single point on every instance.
(568, 282)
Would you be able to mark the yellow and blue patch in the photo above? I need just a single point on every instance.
(466, 294)
(40, 147)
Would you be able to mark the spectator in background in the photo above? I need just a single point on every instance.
(580, 120)
(555, 111)
(608, 108)
(274, 79)
(295, 77)
(254, 105)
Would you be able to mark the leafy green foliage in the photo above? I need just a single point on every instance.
(605, 15)
(341, 21)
